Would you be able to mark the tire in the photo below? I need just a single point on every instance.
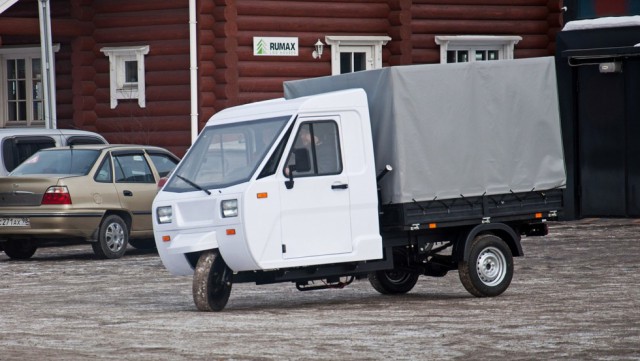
(113, 238)
(211, 282)
(397, 280)
(489, 270)
(143, 243)
(19, 249)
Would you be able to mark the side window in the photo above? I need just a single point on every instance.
(104, 174)
(164, 164)
(316, 150)
(132, 168)
(18, 149)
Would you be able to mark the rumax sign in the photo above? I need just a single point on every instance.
(271, 46)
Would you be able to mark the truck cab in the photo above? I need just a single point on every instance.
(276, 184)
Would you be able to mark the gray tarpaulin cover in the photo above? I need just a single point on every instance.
(459, 129)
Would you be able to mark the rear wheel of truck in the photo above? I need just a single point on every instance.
(489, 270)
(396, 281)
(113, 238)
(17, 249)
(211, 282)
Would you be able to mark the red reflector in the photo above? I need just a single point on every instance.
(231, 232)
(162, 181)
(56, 195)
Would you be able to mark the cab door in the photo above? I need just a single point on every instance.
(315, 205)
(135, 185)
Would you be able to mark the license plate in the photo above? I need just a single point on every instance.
(15, 222)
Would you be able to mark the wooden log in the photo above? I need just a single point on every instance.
(426, 56)
(533, 42)
(309, 24)
(263, 84)
(166, 63)
(125, 6)
(252, 97)
(293, 70)
(470, 27)
(530, 53)
(480, 12)
(85, 103)
(168, 93)
(148, 18)
(167, 78)
(424, 41)
(82, 58)
(312, 9)
(85, 119)
(168, 47)
(19, 26)
(486, 2)
(142, 33)
(103, 108)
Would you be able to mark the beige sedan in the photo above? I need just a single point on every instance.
(100, 194)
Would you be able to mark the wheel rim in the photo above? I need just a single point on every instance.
(491, 266)
(397, 277)
(115, 237)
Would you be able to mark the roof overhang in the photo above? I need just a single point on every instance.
(5, 4)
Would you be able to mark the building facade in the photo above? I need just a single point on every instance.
(153, 72)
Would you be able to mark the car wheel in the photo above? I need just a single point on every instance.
(113, 238)
(16, 249)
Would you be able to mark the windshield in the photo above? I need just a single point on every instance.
(227, 154)
(62, 161)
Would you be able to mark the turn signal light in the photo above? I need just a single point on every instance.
(166, 238)
(56, 195)
(263, 195)
(231, 232)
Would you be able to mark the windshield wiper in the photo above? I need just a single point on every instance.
(194, 185)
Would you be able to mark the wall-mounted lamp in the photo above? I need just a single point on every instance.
(317, 54)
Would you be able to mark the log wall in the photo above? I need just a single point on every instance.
(228, 72)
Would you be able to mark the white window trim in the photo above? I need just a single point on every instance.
(117, 56)
(19, 52)
(504, 44)
(340, 43)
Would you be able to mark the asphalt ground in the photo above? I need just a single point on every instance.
(575, 296)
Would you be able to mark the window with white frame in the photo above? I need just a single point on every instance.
(126, 73)
(467, 48)
(355, 53)
(21, 86)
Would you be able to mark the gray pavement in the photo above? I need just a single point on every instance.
(575, 295)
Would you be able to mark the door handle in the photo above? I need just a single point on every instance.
(127, 193)
(339, 186)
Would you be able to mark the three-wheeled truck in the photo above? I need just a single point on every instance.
(388, 174)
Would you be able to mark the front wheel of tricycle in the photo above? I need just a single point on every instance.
(211, 282)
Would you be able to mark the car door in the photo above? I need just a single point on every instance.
(135, 185)
(315, 217)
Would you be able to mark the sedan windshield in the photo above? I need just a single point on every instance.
(60, 161)
(225, 155)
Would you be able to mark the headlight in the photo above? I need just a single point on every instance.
(229, 208)
(164, 214)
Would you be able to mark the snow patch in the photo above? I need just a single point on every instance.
(606, 22)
